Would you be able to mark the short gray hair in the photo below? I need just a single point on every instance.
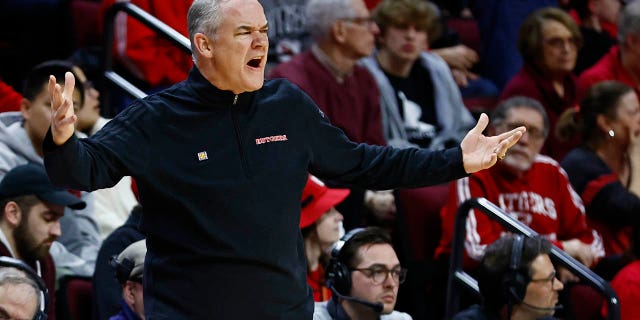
(205, 16)
(629, 21)
(321, 14)
(10, 276)
(500, 112)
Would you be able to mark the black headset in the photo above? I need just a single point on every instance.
(515, 281)
(123, 268)
(41, 312)
(338, 274)
(338, 278)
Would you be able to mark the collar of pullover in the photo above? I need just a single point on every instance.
(211, 95)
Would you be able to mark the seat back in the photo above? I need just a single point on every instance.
(74, 298)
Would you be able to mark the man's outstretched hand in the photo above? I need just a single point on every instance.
(63, 117)
(481, 152)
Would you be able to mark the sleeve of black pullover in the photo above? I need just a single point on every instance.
(102, 160)
(333, 156)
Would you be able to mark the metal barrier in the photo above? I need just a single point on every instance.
(150, 21)
(459, 277)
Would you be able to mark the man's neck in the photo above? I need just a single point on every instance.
(333, 57)
(6, 237)
(523, 313)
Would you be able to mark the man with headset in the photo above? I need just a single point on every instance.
(31, 208)
(517, 281)
(364, 275)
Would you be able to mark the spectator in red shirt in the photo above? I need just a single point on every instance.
(531, 187)
(622, 63)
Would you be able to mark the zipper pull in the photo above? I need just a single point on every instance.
(235, 100)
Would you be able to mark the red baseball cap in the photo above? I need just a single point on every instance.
(317, 199)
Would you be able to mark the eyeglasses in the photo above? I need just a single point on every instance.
(361, 21)
(551, 278)
(561, 43)
(380, 274)
(534, 133)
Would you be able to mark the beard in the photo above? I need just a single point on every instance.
(27, 245)
(518, 162)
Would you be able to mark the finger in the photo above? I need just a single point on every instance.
(481, 125)
(68, 120)
(61, 112)
(55, 93)
(69, 85)
(508, 143)
(514, 135)
(464, 82)
(52, 89)
(473, 56)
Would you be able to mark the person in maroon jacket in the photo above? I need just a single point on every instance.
(548, 42)
(29, 223)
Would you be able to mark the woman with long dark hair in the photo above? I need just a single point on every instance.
(605, 170)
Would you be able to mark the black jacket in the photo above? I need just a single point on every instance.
(221, 176)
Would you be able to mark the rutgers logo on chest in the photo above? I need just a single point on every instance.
(527, 201)
(278, 138)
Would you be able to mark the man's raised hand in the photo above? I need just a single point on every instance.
(481, 152)
(63, 117)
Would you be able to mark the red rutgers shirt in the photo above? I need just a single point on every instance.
(542, 199)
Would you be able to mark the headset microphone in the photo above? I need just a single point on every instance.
(377, 306)
(557, 307)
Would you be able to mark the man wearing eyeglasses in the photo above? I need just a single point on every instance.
(365, 277)
(517, 281)
(531, 187)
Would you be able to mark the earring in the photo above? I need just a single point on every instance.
(611, 133)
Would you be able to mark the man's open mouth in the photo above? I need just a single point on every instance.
(255, 62)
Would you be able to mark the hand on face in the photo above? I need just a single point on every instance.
(63, 116)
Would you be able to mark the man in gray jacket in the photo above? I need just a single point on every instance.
(420, 101)
(21, 136)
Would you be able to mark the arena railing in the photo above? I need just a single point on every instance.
(458, 278)
(148, 20)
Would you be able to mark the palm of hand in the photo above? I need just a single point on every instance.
(480, 152)
(483, 151)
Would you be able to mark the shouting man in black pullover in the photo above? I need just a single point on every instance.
(220, 161)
